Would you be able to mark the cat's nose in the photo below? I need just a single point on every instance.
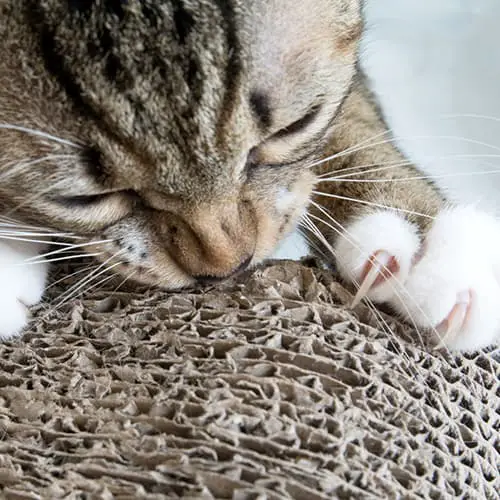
(211, 243)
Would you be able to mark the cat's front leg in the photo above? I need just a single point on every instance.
(445, 282)
(22, 282)
(397, 240)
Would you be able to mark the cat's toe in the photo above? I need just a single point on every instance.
(453, 293)
(447, 287)
(453, 316)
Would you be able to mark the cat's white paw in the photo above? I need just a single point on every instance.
(22, 282)
(447, 285)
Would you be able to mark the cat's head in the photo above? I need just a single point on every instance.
(182, 130)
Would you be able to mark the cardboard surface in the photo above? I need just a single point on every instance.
(264, 388)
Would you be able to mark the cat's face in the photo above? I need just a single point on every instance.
(189, 125)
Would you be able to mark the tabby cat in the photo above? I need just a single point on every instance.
(179, 141)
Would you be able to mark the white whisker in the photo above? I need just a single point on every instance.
(373, 204)
(101, 269)
(378, 315)
(393, 140)
(16, 228)
(67, 249)
(415, 178)
(11, 168)
(39, 133)
(303, 231)
(361, 169)
(59, 259)
(470, 115)
(33, 234)
(31, 240)
(344, 233)
(124, 281)
(93, 286)
(68, 276)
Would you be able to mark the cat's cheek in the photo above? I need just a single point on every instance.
(286, 200)
(153, 266)
(275, 226)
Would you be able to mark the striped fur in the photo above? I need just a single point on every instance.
(181, 130)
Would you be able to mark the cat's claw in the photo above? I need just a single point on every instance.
(380, 267)
(455, 322)
(447, 285)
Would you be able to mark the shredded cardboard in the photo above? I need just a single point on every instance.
(266, 387)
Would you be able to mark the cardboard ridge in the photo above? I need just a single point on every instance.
(266, 387)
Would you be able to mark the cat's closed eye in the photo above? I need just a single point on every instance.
(94, 183)
(82, 201)
(294, 142)
(299, 125)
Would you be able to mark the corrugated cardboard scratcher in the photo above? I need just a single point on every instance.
(266, 387)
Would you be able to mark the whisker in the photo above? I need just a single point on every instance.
(470, 115)
(11, 168)
(99, 271)
(378, 315)
(35, 197)
(68, 248)
(393, 140)
(370, 304)
(416, 178)
(303, 232)
(373, 167)
(344, 233)
(124, 281)
(32, 240)
(39, 133)
(351, 150)
(94, 286)
(16, 227)
(33, 234)
(58, 259)
(383, 166)
(372, 204)
(68, 276)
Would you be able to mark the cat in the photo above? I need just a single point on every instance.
(180, 141)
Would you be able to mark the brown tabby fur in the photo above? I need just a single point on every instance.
(187, 120)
